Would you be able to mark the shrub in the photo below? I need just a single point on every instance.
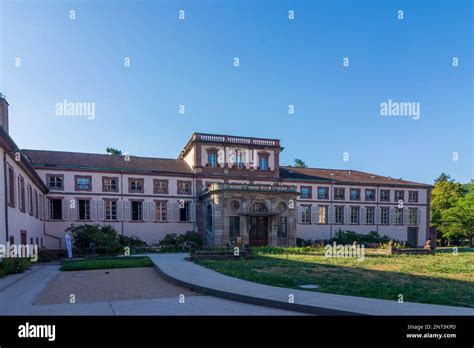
(44, 255)
(279, 250)
(349, 237)
(132, 241)
(12, 265)
(174, 243)
(95, 239)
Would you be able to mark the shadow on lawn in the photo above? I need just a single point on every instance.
(344, 280)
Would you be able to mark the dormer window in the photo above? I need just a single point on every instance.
(263, 161)
(212, 159)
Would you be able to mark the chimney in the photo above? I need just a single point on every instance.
(3, 112)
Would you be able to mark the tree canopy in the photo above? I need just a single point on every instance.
(112, 151)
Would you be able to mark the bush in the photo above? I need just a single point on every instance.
(44, 255)
(13, 265)
(176, 243)
(280, 250)
(95, 239)
(349, 237)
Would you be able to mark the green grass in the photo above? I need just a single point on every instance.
(442, 278)
(105, 263)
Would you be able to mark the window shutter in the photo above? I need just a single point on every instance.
(331, 214)
(176, 211)
(392, 216)
(101, 210)
(127, 207)
(377, 215)
(72, 204)
(169, 211)
(299, 214)
(145, 211)
(406, 217)
(347, 215)
(314, 214)
(120, 210)
(418, 216)
(65, 206)
(192, 211)
(152, 207)
(363, 215)
(93, 210)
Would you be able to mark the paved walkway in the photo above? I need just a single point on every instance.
(18, 292)
(175, 268)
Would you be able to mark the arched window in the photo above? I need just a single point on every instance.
(209, 217)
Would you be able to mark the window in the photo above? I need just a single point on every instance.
(84, 206)
(398, 216)
(83, 182)
(369, 215)
(355, 194)
(212, 159)
(36, 205)
(281, 206)
(21, 190)
(12, 239)
(110, 206)
(369, 195)
(234, 227)
(184, 187)
(137, 210)
(306, 192)
(11, 186)
(135, 185)
(40, 208)
(413, 216)
(263, 162)
(323, 193)
(339, 193)
(161, 210)
(55, 209)
(384, 214)
(110, 184)
(339, 215)
(239, 159)
(234, 205)
(413, 196)
(399, 195)
(323, 214)
(160, 186)
(354, 215)
(305, 214)
(184, 212)
(30, 200)
(385, 195)
(282, 227)
(55, 181)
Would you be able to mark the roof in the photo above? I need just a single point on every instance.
(11, 148)
(106, 162)
(342, 177)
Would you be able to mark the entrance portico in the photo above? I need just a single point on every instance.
(257, 215)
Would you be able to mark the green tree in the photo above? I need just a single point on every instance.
(112, 151)
(458, 221)
(444, 195)
(300, 164)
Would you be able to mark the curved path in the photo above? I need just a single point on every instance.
(175, 268)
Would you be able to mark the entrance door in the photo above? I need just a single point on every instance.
(258, 234)
(23, 237)
(412, 236)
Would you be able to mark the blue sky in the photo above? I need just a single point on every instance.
(282, 62)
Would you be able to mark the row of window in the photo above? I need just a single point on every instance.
(354, 194)
(111, 184)
(113, 210)
(29, 200)
(238, 160)
(353, 215)
(234, 226)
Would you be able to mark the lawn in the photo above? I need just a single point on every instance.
(106, 263)
(443, 278)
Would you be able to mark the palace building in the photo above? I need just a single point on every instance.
(230, 189)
